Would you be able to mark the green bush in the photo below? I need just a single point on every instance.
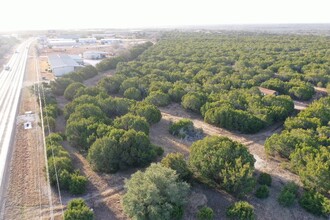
(77, 184)
(182, 128)
(205, 213)
(72, 89)
(150, 112)
(288, 195)
(262, 192)
(193, 101)
(315, 203)
(78, 210)
(225, 162)
(156, 193)
(130, 121)
(265, 179)
(158, 98)
(241, 210)
(176, 162)
(120, 150)
(133, 93)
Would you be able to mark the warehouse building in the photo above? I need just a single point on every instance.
(58, 42)
(111, 41)
(94, 55)
(61, 64)
(90, 40)
(78, 59)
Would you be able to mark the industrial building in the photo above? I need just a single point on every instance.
(60, 42)
(61, 64)
(90, 40)
(78, 59)
(94, 55)
(110, 41)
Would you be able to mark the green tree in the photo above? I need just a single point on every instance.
(59, 85)
(158, 98)
(72, 89)
(156, 193)
(205, 213)
(265, 179)
(182, 128)
(133, 93)
(193, 101)
(288, 195)
(315, 203)
(121, 150)
(262, 192)
(150, 112)
(77, 209)
(241, 210)
(315, 175)
(77, 184)
(224, 161)
(104, 155)
(56, 165)
(176, 162)
(130, 121)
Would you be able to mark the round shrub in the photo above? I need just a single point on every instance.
(72, 89)
(77, 209)
(133, 93)
(77, 184)
(315, 203)
(158, 98)
(288, 195)
(150, 112)
(225, 162)
(265, 179)
(205, 213)
(241, 210)
(156, 193)
(262, 192)
(182, 128)
(176, 162)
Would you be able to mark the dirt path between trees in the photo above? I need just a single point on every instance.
(218, 200)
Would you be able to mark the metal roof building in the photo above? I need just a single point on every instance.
(94, 55)
(61, 64)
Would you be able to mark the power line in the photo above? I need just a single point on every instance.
(44, 142)
(55, 168)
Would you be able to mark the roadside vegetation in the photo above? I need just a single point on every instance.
(60, 167)
(78, 209)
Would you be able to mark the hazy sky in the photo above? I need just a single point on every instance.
(47, 14)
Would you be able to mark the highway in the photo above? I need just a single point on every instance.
(10, 90)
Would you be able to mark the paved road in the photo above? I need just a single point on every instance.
(10, 89)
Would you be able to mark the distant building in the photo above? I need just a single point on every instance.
(61, 42)
(104, 35)
(265, 91)
(94, 55)
(90, 40)
(110, 41)
(61, 64)
(78, 59)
